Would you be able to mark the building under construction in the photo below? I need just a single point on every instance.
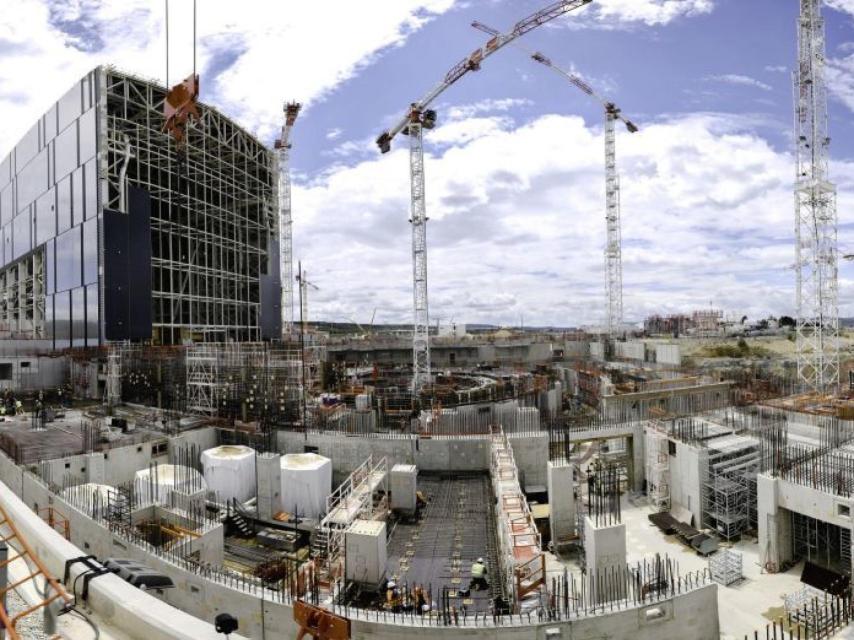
(110, 233)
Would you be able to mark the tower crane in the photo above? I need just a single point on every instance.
(286, 245)
(816, 218)
(613, 244)
(418, 117)
(304, 284)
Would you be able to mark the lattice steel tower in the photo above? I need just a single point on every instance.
(815, 213)
(286, 243)
(420, 326)
(613, 243)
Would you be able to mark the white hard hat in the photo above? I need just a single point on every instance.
(480, 560)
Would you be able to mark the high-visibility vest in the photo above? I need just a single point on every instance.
(477, 570)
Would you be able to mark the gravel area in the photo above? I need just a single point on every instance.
(29, 627)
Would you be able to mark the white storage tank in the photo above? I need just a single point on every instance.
(91, 497)
(306, 483)
(156, 483)
(229, 471)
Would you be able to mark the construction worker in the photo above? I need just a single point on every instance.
(478, 575)
(392, 596)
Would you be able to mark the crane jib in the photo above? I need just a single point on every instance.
(473, 61)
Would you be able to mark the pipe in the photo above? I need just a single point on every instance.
(123, 175)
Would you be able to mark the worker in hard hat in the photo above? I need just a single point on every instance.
(478, 575)
(392, 596)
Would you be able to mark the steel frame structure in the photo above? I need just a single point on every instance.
(213, 215)
(22, 297)
(815, 213)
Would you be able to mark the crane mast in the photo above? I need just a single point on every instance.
(417, 118)
(286, 245)
(817, 327)
(613, 242)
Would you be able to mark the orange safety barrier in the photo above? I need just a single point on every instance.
(57, 521)
(29, 556)
(319, 623)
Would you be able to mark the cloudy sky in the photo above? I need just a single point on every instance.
(515, 168)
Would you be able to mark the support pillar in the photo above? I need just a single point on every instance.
(269, 477)
(95, 471)
(604, 550)
(561, 502)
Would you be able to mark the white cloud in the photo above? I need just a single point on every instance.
(841, 5)
(460, 112)
(776, 69)
(734, 78)
(256, 57)
(334, 134)
(619, 13)
(517, 224)
(840, 79)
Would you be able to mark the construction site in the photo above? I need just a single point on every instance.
(186, 454)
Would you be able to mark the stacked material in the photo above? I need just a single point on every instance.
(229, 471)
(157, 483)
(306, 483)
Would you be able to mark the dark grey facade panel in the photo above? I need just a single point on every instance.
(127, 269)
(271, 294)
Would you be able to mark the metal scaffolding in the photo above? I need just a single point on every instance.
(815, 213)
(22, 298)
(732, 466)
(214, 215)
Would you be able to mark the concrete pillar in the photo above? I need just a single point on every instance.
(269, 472)
(561, 502)
(95, 468)
(604, 550)
(775, 525)
(636, 443)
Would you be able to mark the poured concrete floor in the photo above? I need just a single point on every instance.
(744, 607)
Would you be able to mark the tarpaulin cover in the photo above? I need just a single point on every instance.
(230, 472)
(306, 483)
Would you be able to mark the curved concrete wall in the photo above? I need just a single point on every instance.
(122, 606)
(691, 615)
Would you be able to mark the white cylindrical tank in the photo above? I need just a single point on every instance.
(91, 497)
(156, 483)
(229, 471)
(306, 483)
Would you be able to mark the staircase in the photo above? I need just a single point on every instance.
(240, 521)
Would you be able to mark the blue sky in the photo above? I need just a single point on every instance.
(514, 169)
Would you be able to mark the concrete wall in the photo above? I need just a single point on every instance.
(34, 372)
(137, 613)
(118, 465)
(686, 488)
(776, 499)
(437, 454)
(694, 613)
